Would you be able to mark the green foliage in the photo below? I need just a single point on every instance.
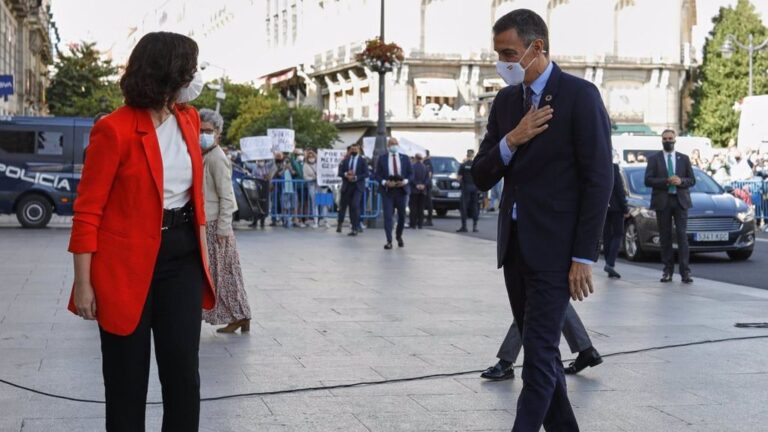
(230, 107)
(723, 82)
(83, 84)
(268, 111)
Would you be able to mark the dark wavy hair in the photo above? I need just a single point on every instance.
(159, 66)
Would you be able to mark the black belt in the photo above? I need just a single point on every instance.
(178, 216)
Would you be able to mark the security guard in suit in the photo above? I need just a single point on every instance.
(470, 201)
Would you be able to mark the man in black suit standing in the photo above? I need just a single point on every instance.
(353, 171)
(618, 212)
(548, 137)
(470, 198)
(670, 175)
(393, 173)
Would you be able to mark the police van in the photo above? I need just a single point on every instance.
(41, 159)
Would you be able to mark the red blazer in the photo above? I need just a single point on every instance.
(119, 212)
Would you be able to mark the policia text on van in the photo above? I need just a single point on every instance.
(40, 163)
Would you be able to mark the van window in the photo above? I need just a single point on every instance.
(29, 142)
(17, 142)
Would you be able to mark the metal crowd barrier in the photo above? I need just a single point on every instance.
(757, 190)
(300, 199)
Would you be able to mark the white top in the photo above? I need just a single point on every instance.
(177, 166)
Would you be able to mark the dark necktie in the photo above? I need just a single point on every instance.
(528, 102)
(394, 165)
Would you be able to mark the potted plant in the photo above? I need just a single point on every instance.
(380, 57)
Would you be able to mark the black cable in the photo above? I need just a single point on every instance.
(388, 381)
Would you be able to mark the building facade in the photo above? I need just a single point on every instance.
(27, 40)
(440, 95)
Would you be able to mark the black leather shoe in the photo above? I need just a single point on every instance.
(498, 373)
(666, 277)
(687, 279)
(352, 234)
(587, 358)
(338, 228)
(462, 229)
(612, 272)
(400, 242)
(388, 246)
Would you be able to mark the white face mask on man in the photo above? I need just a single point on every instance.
(513, 73)
(192, 90)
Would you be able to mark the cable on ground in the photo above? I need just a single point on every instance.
(399, 380)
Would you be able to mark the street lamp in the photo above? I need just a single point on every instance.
(220, 94)
(727, 51)
(291, 100)
(381, 127)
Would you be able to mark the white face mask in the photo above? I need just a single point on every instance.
(207, 140)
(393, 149)
(192, 90)
(513, 73)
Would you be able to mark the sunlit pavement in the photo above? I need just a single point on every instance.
(329, 309)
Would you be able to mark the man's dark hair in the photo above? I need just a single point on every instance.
(160, 65)
(528, 25)
(672, 131)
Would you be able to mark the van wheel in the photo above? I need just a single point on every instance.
(34, 211)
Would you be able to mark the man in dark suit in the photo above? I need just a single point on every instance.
(353, 171)
(670, 175)
(393, 173)
(419, 190)
(548, 137)
(470, 199)
(613, 231)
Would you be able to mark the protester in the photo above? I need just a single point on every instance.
(140, 211)
(262, 173)
(224, 262)
(287, 192)
(310, 177)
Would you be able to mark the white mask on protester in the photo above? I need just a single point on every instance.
(513, 73)
(192, 90)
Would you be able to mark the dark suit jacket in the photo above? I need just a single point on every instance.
(361, 171)
(381, 172)
(618, 201)
(561, 180)
(656, 178)
(420, 177)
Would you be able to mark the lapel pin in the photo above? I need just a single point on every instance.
(548, 98)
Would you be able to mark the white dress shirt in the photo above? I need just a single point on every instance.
(177, 165)
(391, 167)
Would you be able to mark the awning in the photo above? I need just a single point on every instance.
(347, 137)
(631, 129)
(277, 77)
(448, 142)
(436, 87)
(494, 82)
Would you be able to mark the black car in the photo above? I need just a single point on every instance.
(446, 189)
(717, 222)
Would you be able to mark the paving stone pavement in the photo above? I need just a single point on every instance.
(329, 309)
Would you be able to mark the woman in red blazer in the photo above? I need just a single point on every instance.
(138, 236)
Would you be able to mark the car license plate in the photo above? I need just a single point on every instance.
(711, 236)
(454, 194)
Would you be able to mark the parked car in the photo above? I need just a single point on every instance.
(446, 189)
(717, 222)
(41, 159)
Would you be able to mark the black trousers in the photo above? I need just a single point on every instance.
(429, 204)
(469, 206)
(613, 232)
(172, 314)
(539, 301)
(664, 218)
(391, 201)
(417, 209)
(351, 198)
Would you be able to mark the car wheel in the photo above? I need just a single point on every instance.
(34, 211)
(632, 248)
(740, 255)
(441, 212)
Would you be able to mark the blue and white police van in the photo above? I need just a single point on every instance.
(41, 159)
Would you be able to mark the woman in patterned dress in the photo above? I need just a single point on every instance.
(232, 301)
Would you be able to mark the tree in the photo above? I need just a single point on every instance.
(268, 111)
(230, 107)
(83, 83)
(723, 82)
